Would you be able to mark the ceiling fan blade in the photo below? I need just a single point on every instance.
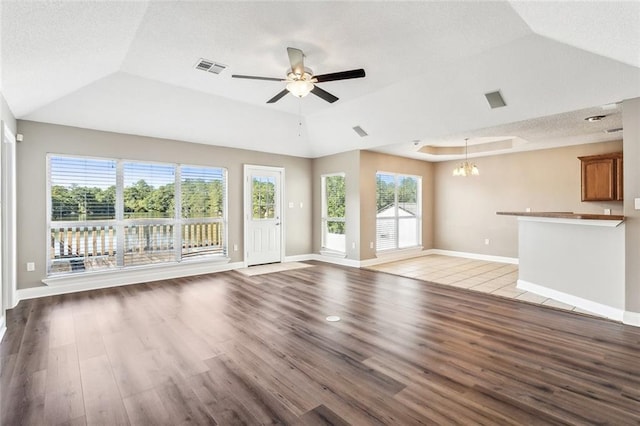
(343, 75)
(277, 97)
(253, 77)
(323, 94)
(296, 58)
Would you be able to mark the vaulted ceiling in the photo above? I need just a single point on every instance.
(130, 67)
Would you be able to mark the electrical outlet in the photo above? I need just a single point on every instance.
(31, 266)
(607, 211)
(371, 244)
(486, 241)
(301, 205)
(353, 245)
(528, 209)
(235, 247)
(290, 204)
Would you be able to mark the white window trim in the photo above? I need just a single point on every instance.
(119, 222)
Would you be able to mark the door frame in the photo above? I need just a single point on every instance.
(8, 215)
(247, 208)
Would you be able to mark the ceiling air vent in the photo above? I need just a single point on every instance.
(616, 130)
(360, 131)
(210, 66)
(495, 99)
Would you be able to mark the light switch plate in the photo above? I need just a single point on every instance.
(637, 203)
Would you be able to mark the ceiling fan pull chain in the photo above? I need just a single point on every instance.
(299, 117)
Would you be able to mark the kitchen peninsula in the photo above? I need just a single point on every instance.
(574, 258)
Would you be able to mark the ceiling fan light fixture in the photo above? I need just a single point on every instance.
(300, 88)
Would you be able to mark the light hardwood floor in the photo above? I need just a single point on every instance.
(231, 349)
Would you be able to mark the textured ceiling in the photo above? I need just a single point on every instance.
(129, 67)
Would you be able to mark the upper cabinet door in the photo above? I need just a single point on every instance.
(602, 177)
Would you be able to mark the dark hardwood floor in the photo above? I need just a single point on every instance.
(230, 349)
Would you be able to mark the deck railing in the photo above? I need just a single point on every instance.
(76, 247)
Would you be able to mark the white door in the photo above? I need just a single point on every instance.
(263, 214)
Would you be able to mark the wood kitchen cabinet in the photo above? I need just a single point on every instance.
(602, 177)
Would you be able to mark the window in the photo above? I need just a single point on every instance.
(149, 212)
(204, 194)
(398, 219)
(110, 214)
(333, 213)
(264, 198)
(82, 214)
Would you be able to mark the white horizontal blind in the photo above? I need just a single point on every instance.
(149, 207)
(149, 190)
(82, 189)
(334, 213)
(81, 214)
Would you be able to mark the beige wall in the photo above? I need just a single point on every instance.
(41, 138)
(545, 180)
(372, 162)
(349, 164)
(631, 123)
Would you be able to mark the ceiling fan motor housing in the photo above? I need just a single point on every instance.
(307, 75)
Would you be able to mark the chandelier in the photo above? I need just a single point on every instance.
(466, 168)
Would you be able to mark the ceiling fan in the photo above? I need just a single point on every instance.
(301, 81)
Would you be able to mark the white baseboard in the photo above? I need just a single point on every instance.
(73, 284)
(631, 318)
(397, 255)
(298, 258)
(588, 305)
(343, 261)
(477, 256)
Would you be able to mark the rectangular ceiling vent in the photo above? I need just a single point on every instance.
(210, 66)
(616, 130)
(360, 131)
(495, 99)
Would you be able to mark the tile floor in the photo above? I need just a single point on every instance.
(479, 275)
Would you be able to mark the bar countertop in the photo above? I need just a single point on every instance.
(565, 215)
